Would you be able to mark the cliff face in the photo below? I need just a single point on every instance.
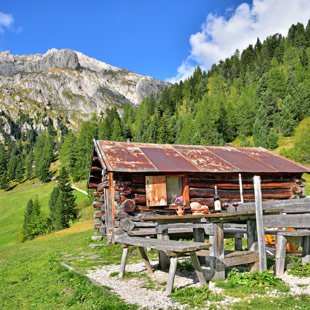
(68, 83)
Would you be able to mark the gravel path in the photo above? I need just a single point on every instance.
(132, 291)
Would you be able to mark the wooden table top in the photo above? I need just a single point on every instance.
(189, 217)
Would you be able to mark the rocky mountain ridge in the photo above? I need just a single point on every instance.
(69, 84)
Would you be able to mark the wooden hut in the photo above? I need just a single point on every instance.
(141, 177)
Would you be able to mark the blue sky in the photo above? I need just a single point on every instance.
(163, 38)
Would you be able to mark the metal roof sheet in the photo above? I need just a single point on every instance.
(146, 157)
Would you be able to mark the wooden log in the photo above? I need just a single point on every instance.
(92, 184)
(133, 188)
(97, 194)
(97, 224)
(235, 195)
(96, 169)
(126, 224)
(140, 199)
(98, 214)
(97, 204)
(235, 186)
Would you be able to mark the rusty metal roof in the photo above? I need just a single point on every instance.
(145, 157)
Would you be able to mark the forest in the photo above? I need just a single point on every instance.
(256, 96)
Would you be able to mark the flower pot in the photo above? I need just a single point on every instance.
(180, 210)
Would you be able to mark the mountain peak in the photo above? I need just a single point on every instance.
(69, 81)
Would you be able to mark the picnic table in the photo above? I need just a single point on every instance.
(210, 224)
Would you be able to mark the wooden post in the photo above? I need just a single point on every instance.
(162, 257)
(199, 236)
(280, 254)
(123, 262)
(251, 235)
(260, 224)
(172, 271)
(305, 250)
(217, 249)
(238, 242)
(145, 260)
(240, 188)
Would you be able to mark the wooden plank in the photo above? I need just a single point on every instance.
(145, 260)
(172, 271)
(240, 258)
(294, 233)
(260, 224)
(156, 191)
(161, 244)
(288, 220)
(280, 255)
(287, 205)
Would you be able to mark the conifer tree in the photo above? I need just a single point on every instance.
(3, 168)
(62, 203)
(34, 223)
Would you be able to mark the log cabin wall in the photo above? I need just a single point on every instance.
(201, 187)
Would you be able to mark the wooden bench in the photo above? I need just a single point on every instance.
(282, 239)
(173, 249)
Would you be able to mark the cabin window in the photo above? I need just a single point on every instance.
(173, 189)
(156, 191)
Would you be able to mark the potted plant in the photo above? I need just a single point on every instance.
(179, 202)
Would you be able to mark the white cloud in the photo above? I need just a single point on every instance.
(220, 36)
(6, 21)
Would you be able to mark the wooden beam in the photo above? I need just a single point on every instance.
(260, 224)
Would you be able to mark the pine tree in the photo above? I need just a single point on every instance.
(4, 184)
(62, 203)
(34, 223)
(28, 165)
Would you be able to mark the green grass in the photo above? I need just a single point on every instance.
(274, 303)
(301, 271)
(195, 297)
(243, 284)
(31, 276)
(13, 204)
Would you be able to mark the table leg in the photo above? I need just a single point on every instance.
(251, 235)
(217, 250)
(199, 236)
(164, 260)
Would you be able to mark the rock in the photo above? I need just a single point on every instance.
(66, 81)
